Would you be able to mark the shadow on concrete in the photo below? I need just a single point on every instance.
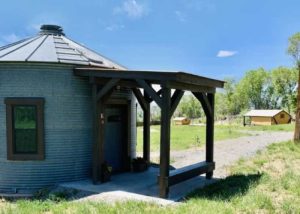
(137, 186)
(227, 188)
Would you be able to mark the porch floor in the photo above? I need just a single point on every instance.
(136, 186)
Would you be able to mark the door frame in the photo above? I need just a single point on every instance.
(126, 154)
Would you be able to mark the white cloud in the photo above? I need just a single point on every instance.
(114, 27)
(180, 16)
(132, 9)
(226, 53)
(11, 38)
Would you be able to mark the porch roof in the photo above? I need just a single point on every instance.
(171, 79)
(104, 81)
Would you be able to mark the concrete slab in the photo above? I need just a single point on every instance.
(137, 186)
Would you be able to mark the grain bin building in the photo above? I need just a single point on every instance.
(67, 113)
(45, 113)
(267, 117)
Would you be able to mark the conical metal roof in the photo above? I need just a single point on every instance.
(51, 45)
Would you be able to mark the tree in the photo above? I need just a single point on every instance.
(189, 107)
(284, 81)
(253, 91)
(294, 51)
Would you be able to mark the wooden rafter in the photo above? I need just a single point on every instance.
(149, 99)
(140, 98)
(202, 97)
(175, 100)
(107, 87)
(152, 93)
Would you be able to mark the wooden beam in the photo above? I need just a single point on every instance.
(165, 143)
(149, 76)
(187, 172)
(96, 127)
(107, 87)
(210, 134)
(146, 131)
(175, 100)
(204, 102)
(121, 83)
(145, 104)
(150, 91)
(191, 87)
(101, 134)
(140, 98)
(149, 99)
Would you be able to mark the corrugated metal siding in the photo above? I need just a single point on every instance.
(68, 125)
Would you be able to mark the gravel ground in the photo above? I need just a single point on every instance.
(128, 186)
(228, 151)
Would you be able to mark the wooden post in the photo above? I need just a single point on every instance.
(210, 134)
(165, 143)
(244, 120)
(96, 125)
(146, 131)
(100, 140)
(144, 102)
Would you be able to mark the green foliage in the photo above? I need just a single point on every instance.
(285, 82)
(254, 90)
(294, 48)
(259, 89)
(189, 107)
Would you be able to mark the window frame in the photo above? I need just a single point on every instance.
(25, 101)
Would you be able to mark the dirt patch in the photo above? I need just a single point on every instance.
(275, 168)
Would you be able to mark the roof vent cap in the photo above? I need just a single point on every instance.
(51, 30)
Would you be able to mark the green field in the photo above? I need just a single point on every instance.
(266, 183)
(185, 137)
(284, 127)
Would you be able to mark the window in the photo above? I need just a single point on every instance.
(25, 128)
(281, 116)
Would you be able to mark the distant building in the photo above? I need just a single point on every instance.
(181, 121)
(267, 117)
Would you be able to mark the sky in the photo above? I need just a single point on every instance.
(212, 38)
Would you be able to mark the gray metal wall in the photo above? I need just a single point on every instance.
(68, 125)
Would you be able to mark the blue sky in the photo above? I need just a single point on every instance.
(213, 38)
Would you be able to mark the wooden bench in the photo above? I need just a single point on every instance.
(178, 175)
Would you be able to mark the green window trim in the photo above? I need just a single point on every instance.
(25, 128)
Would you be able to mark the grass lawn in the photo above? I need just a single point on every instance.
(266, 183)
(283, 127)
(185, 137)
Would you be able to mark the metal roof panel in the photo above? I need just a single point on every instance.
(263, 113)
(9, 49)
(22, 53)
(46, 52)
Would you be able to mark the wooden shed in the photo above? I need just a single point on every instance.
(181, 121)
(267, 117)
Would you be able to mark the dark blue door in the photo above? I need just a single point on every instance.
(115, 138)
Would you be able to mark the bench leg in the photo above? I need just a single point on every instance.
(209, 175)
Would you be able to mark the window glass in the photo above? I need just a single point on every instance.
(25, 129)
